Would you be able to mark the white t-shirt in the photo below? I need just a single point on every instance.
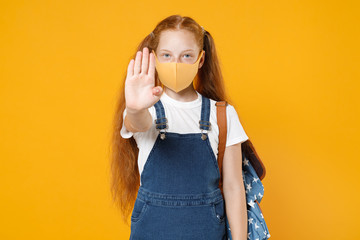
(183, 117)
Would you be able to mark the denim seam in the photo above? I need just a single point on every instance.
(141, 214)
(156, 144)
(214, 160)
(213, 209)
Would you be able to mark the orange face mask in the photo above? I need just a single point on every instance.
(177, 76)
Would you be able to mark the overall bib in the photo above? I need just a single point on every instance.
(179, 197)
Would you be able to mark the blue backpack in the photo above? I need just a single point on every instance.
(253, 171)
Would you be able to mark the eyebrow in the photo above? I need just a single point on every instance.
(182, 51)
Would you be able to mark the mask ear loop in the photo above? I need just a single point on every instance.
(156, 75)
(200, 54)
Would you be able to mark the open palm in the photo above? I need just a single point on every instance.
(140, 90)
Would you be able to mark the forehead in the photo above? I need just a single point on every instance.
(177, 40)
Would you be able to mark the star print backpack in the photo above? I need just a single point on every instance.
(253, 172)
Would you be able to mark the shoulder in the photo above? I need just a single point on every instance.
(230, 109)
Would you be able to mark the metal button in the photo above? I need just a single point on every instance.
(162, 136)
(203, 136)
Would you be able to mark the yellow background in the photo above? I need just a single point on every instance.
(291, 68)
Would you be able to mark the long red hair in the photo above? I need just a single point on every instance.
(125, 177)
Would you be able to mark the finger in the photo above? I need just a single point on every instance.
(130, 69)
(137, 63)
(157, 90)
(145, 60)
(152, 65)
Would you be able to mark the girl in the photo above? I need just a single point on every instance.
(166, 140)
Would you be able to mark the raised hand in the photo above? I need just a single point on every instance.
(140, 90)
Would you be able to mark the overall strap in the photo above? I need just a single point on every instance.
(161, 120)
(204, 122)
(222, 123)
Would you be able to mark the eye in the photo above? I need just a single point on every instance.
(188, 55)
(165, 54)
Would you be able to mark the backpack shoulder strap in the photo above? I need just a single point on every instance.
(222, 123)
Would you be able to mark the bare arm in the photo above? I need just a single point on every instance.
(234, 192)
(138, 121)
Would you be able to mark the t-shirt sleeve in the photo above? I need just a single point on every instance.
(124, 132)
(235, 131)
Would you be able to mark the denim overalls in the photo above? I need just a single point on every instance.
(179, 197)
